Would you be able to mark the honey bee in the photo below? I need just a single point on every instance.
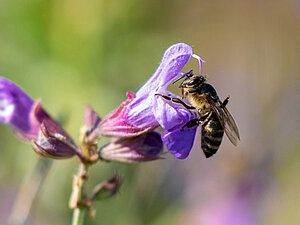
(213, 115)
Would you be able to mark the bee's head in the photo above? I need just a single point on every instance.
(193, 81)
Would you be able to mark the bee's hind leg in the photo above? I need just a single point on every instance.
(176, 100)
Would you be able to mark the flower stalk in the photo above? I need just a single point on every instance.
(78, 195)
(80, 202)
(78, 216)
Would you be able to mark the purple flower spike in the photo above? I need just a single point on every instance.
(144, 111)
(15, 108)
(141, 148)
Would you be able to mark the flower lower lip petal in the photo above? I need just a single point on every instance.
(178, 142)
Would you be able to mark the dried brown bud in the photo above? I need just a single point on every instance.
(107, 188)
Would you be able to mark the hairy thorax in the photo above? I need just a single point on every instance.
(200, 102)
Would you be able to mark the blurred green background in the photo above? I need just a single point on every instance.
(71, 52)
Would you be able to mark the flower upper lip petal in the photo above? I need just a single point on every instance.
(141, 113)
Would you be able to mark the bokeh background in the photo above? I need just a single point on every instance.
(71, 52)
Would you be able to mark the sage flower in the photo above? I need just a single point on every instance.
(143, 112)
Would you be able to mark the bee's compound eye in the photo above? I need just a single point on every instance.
(201, 78)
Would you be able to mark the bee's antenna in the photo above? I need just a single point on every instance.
(187, 75)
(178, 79)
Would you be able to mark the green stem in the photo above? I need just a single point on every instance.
(79, 211)
(78, 216)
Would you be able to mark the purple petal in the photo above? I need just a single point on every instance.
(178, 142)
(152, 145)
(15, 106)
(140, 112)
(174, 59)
(172, 62)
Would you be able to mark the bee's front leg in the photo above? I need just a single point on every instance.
(197, 121)
(191, 123)
(176, 100)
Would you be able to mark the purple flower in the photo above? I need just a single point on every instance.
(144, 111)
(32, 123)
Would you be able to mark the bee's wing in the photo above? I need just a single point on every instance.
(227, 122)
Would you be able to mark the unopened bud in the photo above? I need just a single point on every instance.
(90, 129)
(145, 147)
(107, 188)
(53, 145)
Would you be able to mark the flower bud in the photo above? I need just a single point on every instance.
(53, 142)
(90, 129)
(107, 188)
(141, 148)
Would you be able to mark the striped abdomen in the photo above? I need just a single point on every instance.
(211, 135)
